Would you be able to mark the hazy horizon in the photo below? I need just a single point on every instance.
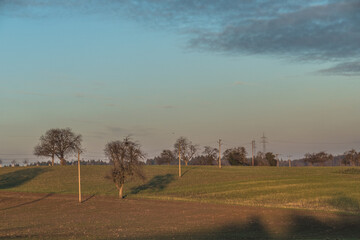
(158, 70)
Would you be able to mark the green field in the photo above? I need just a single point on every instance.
(316, 188)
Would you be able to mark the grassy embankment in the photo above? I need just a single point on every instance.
(321, 188)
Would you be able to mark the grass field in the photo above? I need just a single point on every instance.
(315, 188)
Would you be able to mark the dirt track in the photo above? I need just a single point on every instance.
(46, 216)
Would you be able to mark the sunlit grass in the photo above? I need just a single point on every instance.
(321, 188)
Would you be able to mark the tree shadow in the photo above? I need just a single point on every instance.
(345, 227)
(298, 227)
(188, 169)
(344, 203)
(26, 203)
(16, 178)
(88, 198)
(157, 183)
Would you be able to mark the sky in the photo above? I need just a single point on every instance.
(158, 70)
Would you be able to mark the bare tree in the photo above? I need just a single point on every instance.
(211, 155)
(187, 149)
(126, 158)
(351, 157)
(13, 162)
(236, 156)
(320, 158)
(25, 162)
(166, 156)
(58, 142)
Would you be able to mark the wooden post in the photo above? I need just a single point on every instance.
(79, 176)
(179, 162)
(289, 163)
(253, 152)
(219, 153)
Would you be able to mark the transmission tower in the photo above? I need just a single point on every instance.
(264, 142)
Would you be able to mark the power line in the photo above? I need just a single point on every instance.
(311, 143)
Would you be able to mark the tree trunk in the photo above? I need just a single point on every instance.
(62, 161)
(186, 163)
(52, 160)
(121, 191)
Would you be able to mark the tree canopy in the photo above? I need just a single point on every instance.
(125, 157)
(320, 158)
(271, 158)
(58, 142)
(166, 157)
(351, 157)
(236, 156)
(187, 149)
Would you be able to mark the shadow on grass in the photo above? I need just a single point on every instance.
(344, 203)
(157, 183)
(27, 203)
(187, 169)
(349, 171)
(88, 198)
(262, 224)
(297, 227)
(17, 178)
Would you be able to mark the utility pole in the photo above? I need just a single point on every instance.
(277, 160)
(179, 162)
(79, 176)
(253, 152)
(264, 142)
(219, 153)
(289, 156)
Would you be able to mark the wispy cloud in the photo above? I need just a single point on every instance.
(92, 96)
(168, 107)
(345, 69)
(137, 131)
(112, 105)
(316, 30)
(242, 83)
(35, 94)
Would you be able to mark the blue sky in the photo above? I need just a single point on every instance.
(162, 69)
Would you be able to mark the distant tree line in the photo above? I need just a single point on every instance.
(62, 143)
(191, 154)
(127, 158)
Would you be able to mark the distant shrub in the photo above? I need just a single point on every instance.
(350, 171)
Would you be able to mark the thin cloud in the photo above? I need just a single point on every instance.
(311, 31)
(133, 131)
(345, 69)
(92, 96)
(168, 107)
(112, 105)
(242, 83)
(35, 94)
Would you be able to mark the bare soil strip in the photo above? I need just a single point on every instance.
(57, 216)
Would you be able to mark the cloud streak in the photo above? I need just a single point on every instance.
(138, 131)
(303, 30)
(345, 69)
